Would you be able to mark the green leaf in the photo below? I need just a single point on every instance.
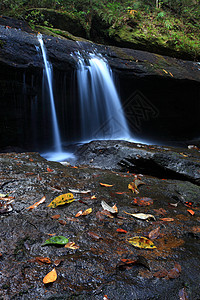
(56, 240)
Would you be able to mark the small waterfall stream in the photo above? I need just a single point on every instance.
(57, 154)
(101, 114)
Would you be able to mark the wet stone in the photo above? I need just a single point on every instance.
(92, 270)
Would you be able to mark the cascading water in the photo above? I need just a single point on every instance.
(101, 114)
(58, 153)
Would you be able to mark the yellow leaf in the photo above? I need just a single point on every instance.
(133, 187)
(61, 200)
(141, 242)
(50, 277)
(93, 197)
(71, 245)
(87, 212)
(165, 71)
(105, 184)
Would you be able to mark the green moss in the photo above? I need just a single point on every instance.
(2, 43)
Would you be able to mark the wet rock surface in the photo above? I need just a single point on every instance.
(96, 268)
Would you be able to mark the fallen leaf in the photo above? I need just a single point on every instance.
(174, 204)
(107, 213)
(120, 230)
(107, 207)
(57, 262)
(133, 186)
(87, 212)
(191, 212)
(141, 216)
(93, 197)
(184, 155)
(144, 201)
(105, 297)
(42, 200)
(30, 159)
(94, 235)
(71, 245)
(49, 170)
(56, 240)
(160, 211)
(165, 71)
(183, 294)
(72, 219)
(167, 219)
(62, 222)
(61, 200)
(139, 260)
(189, 204)
(196, 229)
(51, 234)
(141, 242)
(115, 208)
(154, 233)
(55, 217)
(41, 260)
(50, 277)
(161, 274)
(175, 272)
(80, 192)
(105, 184)
(120, 193)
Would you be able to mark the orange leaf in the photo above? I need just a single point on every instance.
(115, 208)
(30, 159)
(191, 212)
(94, 197)
(51, 234)
(121, 230)
(167, 219)
(37, 203)
(105, 184)
(49, 170)
(144, 201)
(50, 277)
(57, 262)
(79, 213)
(120, 193)
(45, 260)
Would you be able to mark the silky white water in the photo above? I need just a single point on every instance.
(101, 113)
(57, 154)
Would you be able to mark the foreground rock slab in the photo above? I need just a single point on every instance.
(96, 269)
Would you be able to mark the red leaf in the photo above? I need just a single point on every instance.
(121, 230)
(49, 170)
(144, 201)
(191, 212)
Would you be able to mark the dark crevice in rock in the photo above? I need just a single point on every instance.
(151, 168)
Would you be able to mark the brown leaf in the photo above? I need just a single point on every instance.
(167, 219)
(175, 272)
(57, 262)
(94, 235)
(72, 219)
(154, 233)
(107, 214)
(62, 222)
(55, 217)
(50, 277)
(161, 274)
(160, 211)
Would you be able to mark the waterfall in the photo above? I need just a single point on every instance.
(101, 114)
(56, 134)
(58, 153)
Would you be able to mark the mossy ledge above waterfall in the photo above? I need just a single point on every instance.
(167, 30)
(18, 50)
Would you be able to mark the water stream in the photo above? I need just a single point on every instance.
(57, 154)
(101, 113)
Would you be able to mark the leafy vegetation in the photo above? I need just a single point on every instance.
(168, 26)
